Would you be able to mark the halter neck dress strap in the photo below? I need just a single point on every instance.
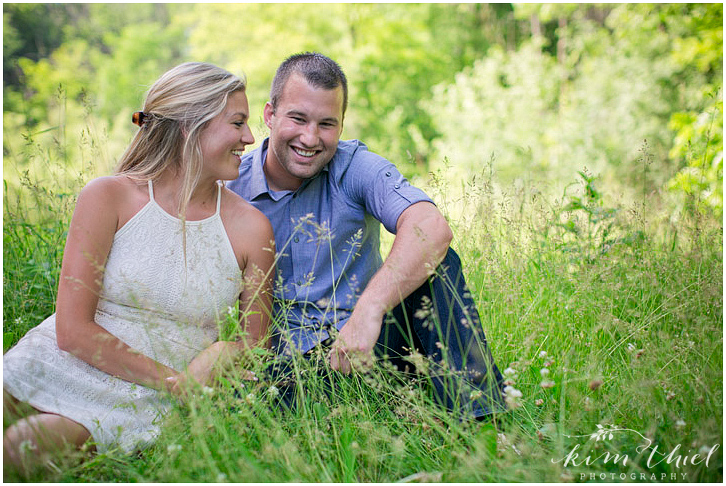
(219, 197)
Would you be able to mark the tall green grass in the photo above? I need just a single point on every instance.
(604, 318)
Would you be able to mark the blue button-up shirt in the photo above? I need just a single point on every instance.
(327, 235)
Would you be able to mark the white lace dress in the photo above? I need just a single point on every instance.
(151, 300)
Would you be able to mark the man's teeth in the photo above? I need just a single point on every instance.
(238, 153)
(304, 153)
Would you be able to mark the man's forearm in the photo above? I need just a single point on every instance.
(422, 240)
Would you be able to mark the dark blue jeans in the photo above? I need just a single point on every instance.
(440, 321)
(436, 333)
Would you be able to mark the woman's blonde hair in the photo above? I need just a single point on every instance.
(178, 107)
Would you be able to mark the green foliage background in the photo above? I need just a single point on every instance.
(542, 90)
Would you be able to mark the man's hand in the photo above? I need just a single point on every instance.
(353, 349)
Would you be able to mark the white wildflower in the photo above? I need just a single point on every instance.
(544, 372)
(250, 398)
(543, 354)
(680, 423)
(273, 391)
(509, 372)
(207, 390)
(704, 450)
(173, 448)
(27, 446)
(510, 391)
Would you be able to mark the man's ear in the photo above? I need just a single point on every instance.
(268, 112)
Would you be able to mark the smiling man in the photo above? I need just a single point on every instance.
(326, 200)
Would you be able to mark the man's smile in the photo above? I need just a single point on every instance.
(304, 153)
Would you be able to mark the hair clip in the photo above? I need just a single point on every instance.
(139, 118)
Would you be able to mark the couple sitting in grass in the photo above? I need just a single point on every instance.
(141, 291)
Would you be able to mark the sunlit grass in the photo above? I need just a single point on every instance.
(613, 322)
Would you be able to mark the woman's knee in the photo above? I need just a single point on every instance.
(45, 432)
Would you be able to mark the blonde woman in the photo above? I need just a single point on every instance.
(156, 255)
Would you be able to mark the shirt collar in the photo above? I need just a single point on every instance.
(258, 181)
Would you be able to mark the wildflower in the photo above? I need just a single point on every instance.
(544, 372)
(680, 423)
(475, 395)
(509, 372)
(250, 398)
(273, 391)
(547, 384)
(208, 391)
(631, 347)
(670, 395)
(512, 396)
(173, 448)
(230, 311)
(27, 446)
(704, 450)
(595, 384)
(539, 402)
(503, 443)
(221, 478)
(543, 354)
(508, 382)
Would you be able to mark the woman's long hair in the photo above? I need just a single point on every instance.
(178, 107)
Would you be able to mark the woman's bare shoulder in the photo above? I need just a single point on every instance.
(117, 195)
(113, 186)
(245, 224)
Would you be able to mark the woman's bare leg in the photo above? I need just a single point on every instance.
(31, 440)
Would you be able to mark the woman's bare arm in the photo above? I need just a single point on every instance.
(90, 236)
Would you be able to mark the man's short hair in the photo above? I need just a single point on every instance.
(318, 70)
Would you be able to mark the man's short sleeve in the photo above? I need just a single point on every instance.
(375, 182)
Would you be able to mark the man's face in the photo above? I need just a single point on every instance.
(304, 132)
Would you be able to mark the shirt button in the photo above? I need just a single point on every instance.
(397, 186)
(296, 239)
(388, 174)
